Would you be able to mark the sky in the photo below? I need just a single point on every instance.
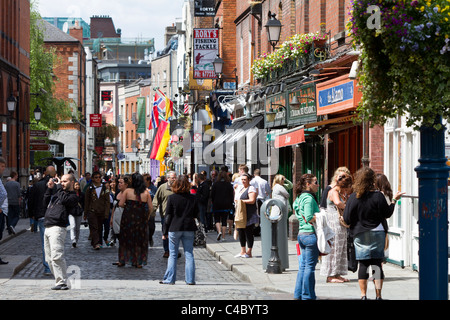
(136, 18)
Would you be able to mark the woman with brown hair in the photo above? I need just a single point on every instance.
(365, 212)
(179, 225)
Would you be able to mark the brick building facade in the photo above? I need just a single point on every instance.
(70, 86)
(15, 82)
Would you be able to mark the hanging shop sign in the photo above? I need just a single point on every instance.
(277, 103)
(204, 8)
(141, 115)
(206, 49)
(337, 95)
(95, 120)
(306, 111)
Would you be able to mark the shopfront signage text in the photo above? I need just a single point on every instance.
(290, 138)
(206, 49)
(337, 95)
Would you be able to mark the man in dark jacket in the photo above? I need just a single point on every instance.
(59, 205)
(37, 208)
(96, 208)
(202, 200)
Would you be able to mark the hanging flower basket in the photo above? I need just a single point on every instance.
(297, 46)
(405, 59)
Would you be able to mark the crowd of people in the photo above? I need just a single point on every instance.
(121, 210)
(356, 211)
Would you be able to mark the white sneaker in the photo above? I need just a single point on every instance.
(218, 236)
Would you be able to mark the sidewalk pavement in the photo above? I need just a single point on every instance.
(15, 262)
(400, 284)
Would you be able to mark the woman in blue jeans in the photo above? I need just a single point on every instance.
(305, 207)
(179, 225)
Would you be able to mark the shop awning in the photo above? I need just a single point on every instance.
(236, 131)
(244, 130)
(331, 125)
(290, 137)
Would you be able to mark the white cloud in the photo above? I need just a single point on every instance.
(136, 18)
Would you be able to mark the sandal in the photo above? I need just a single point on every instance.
(334, 280)
(119, 264)
(343, 279)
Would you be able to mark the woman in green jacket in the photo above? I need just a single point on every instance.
(305, 208)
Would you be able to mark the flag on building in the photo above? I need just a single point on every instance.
(157, 141)
(154, 120)
(164, 144)
(168, 105)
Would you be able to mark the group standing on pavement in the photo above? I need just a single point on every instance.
(123, 209)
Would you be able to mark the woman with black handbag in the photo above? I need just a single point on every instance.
(366, 213)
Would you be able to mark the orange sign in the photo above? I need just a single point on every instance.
(290, 138)
(337, 95)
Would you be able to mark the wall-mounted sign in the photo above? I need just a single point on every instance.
(204, 8)
(306, 112)
(206, 49)
(336, 95)
(95, 120)
(106, 95)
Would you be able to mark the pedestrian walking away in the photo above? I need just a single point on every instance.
(222, 196)
(160, 203)
(133, 237)
(305, 207)
(14, 201)
(366, 213)
(61, 201)
(96, 208)
(3, 198)
(180, 226)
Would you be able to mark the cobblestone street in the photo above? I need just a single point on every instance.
(94, 277)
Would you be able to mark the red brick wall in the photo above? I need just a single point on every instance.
(15, 51)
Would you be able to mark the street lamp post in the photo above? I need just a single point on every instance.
(433, 214)
(273, 28)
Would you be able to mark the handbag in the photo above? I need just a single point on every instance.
(240, 215)
(199, 235)
(351, 256)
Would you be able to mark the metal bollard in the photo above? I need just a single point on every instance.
(274, 264)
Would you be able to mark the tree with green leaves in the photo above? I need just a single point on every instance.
(42, 83)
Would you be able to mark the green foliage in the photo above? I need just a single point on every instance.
(405, 63)
(42, 62)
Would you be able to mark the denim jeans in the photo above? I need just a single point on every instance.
(306, 280)
(40, 224)
(187, 238)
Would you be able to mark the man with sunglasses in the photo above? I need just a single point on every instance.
(96, 207)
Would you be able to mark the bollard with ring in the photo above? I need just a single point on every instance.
(274, 264)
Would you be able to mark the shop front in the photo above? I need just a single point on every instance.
(336, 103)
